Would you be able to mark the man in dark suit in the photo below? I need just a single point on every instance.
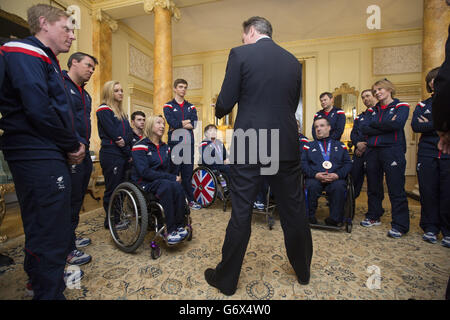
(441, 101)
(265, 80)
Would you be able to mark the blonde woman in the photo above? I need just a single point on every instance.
(386, 155)
(154, 171)
(116, 135)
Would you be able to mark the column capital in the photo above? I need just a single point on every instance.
(149, 7)
(102, 16)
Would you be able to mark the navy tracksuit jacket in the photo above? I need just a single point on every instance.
(359, 163)
(39, 130)
(80, 173)
(174, 114)
(386, 154)
(312, 160)
(154, 171)
(336, 117)
(114, 160)
(213, 154)
(433, 172)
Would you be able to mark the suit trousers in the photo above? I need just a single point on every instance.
(336, 192)
(358, 172)
(391, 162)
(80, 174)
(434, 183)
(286, 185)
(114, 168)
(172, 198)
(43, 188)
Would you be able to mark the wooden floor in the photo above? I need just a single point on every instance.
(12, 224)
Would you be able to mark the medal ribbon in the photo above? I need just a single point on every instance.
(325, 155)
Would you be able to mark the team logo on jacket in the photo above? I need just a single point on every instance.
(149, 153)
(313, 150)
(60, 183)
(427, 111)
(393, 164)
(72, 92)
(336, 149)
(115, 170)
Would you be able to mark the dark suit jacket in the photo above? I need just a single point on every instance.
(265, 80)
(441, 97)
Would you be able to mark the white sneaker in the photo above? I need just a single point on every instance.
(182, 232)
(82, 242)
(258, 205)
(174, 238)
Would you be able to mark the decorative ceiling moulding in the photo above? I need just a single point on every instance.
(149, 7)
(397, 60)
(100, 15)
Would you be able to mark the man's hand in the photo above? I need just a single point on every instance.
(78, 156)
(444, 142)
(321, 176)
(120, 143)
(331, 177)
(178, 179)
(422, 119)
(226, 161)
(187, 124)
(361, 147)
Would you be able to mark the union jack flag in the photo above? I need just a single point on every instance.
(204, 188)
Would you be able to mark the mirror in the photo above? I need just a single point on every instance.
(346, 98)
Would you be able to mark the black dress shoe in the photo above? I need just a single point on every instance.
(5, 261)
(210, 277)
(331, 222)
(304, 283)
(312, 220)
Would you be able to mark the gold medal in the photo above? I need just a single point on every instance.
(327, 165)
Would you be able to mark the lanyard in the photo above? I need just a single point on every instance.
(325, 155)
(217, 148)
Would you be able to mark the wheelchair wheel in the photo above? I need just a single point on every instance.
(204, 183)
(349, 207)
(127, 217)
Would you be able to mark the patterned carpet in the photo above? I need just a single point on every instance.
(409, 267)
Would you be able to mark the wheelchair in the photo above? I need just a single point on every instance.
(209, 184)
(139, 211)
(349, 206)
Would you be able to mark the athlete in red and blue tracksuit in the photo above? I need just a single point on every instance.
(80, 173)
(359, 163)
(386, 154)
(114, 160)
(39, 131)
(433, 172)
(303, 140)
(154, 171)
(336, 118)
(174, 114)
(312, 163)
(213, 155)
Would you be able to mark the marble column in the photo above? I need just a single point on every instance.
(103, 27)
(436, 18)
(162, 71)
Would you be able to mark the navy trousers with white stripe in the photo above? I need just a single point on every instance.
(389, 161)
(434, 185)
